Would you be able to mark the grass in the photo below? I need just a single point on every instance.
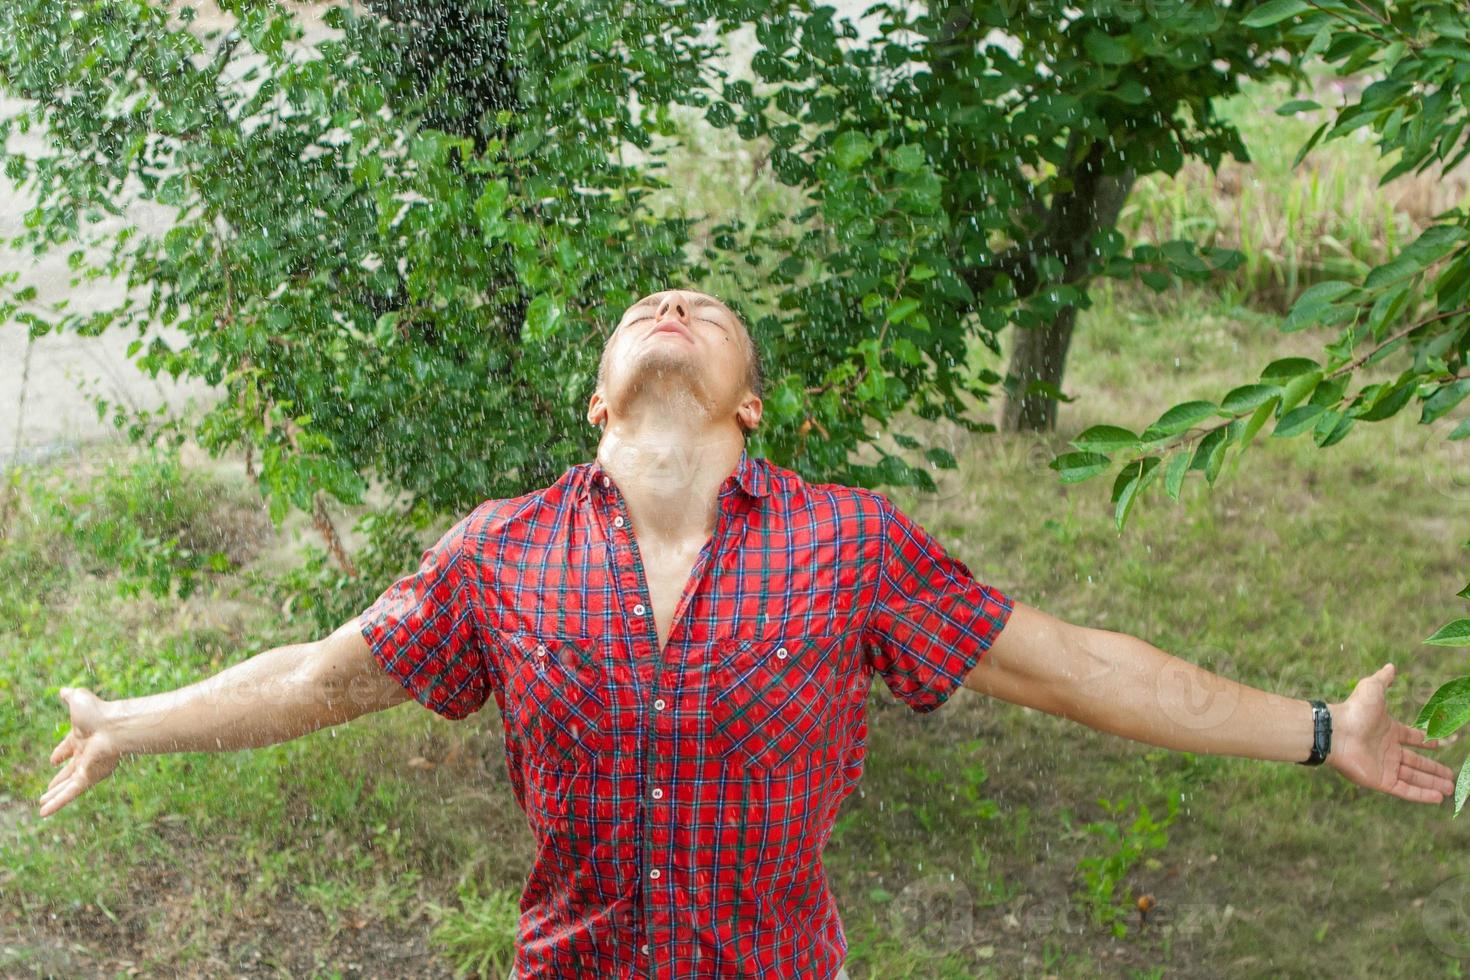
(983, 840)
(1325, 218)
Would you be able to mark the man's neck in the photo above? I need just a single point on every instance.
(670, 474)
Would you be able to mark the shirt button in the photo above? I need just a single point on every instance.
(541, 649)
(659, 704)
(781, 652)
(644, 947)
(618, 521)
(607, 481)
(638, 610)
(654, 873)
(658, 794)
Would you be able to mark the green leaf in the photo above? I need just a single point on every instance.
(1446, 398)
(1331, 428)
(941, 457)
(1246, 397)
(1179, 418)
(1283, 370)
(906, 159)
(1174, 474)
(1105, 439)
(851, 149)
(1455, 634)
(1297, 105)
(1216, 458)
(1298, 388)
(1297, 421)
(900, 311)
(1462, 786)
(1076, 467)
(1130, 483)
(720, 115)
(1447, 709)
(1106, 49)
(1049, 389)
(1258, 419)
(1274, 12)
(1308, 145)
(541, 317)
(1389, 401)
(1313, 305)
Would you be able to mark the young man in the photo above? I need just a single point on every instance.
(681, 638)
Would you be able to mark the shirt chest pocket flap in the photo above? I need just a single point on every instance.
(770, 698)
(558, 694)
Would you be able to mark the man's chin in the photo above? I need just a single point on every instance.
(671, 376)
(664, 367)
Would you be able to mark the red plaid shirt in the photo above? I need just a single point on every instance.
(680, 800)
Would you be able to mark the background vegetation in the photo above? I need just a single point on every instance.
(988, 840)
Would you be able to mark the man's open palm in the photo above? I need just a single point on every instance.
(90, 753)
(1372, 749)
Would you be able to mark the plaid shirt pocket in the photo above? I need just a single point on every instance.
(770, 699)
(558, 695)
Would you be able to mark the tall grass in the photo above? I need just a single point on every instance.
(1326, 218)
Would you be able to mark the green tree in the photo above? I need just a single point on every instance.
(966, 169)
(1394, 341)
(389, 249)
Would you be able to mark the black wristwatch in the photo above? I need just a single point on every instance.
(1321, 734)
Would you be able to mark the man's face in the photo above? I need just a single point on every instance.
(678, 344)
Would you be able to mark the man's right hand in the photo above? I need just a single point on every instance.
(90, 752)
(283, 693)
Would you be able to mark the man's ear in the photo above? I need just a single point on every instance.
(749, 412)
(597, 409)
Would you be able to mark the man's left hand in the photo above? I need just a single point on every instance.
(1372, 749)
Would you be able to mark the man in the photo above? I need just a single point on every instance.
(681, 638)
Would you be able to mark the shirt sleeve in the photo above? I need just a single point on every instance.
(931, 620)
(424, 630)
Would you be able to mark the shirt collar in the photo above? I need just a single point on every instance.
(750, 475)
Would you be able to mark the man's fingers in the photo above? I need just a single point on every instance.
(74, 776)
(67, 792)
(1419, 737)
(66, 747)
(54, 791)
(77, 774)
(63, 773)
(1433, 768)
(1419, 777)
(1419, 795)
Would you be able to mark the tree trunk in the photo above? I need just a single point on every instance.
(1040, 353)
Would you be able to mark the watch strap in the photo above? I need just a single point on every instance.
(1321, 734)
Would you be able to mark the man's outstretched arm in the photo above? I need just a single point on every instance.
(275, 696)
(1122, 685)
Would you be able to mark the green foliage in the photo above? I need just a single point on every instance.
(1409, 314)
(389, 249)
(321, 593)
(479, 937)
(148, 519)
(955, 167)
(1125, 844)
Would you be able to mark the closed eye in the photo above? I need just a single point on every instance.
(698, 319)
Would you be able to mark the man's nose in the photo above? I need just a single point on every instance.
(675, 306)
